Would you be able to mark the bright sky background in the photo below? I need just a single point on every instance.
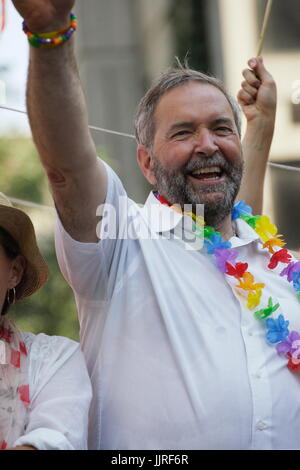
(13, 70)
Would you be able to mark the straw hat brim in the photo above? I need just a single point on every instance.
(19, 226)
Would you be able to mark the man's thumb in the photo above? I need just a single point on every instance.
(257, 64)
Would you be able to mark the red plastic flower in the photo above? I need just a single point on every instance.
(238, 270)
(281, 256)
(293, 366)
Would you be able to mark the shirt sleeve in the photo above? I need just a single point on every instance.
(89, 267)
(60, 393)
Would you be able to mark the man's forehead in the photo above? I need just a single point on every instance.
(193, 98)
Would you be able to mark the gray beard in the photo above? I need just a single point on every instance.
(177, 188)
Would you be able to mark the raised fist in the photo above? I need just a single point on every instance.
(258, 96)
(44, 15)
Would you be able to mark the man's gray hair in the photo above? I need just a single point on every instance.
(174, 77)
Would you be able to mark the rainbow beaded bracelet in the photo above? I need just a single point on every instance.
(51, 39)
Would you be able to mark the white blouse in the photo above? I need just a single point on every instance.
(60, 394)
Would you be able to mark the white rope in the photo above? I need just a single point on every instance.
(36, 205)
(13, 109)
(283, 167)
(95, 128)
(122, 134)
(108, 131)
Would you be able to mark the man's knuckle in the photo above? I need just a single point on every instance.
(269, 82)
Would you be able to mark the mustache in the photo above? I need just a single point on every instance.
(205, 162)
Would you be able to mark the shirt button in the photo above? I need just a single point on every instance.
(250, 333)
(258, 375)
(261, 426)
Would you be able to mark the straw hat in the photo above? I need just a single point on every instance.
(20, 227)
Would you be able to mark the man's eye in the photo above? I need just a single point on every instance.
(181, 133)
(223, 130)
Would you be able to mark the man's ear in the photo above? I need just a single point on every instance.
(17, 269)
(145, 161)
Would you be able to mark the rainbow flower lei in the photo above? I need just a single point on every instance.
(287, 342)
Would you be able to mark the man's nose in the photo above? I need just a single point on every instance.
(205, 142)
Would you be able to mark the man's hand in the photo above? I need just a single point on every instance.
(257, 99)
(44, 15)
(258, 95)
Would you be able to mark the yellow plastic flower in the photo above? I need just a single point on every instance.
(248, 283)
(254, 298)
(198, 219)
(272, 242)
(177, 208)
(264, 228)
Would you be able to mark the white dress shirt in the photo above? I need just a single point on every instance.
(60, 394)
(176, 359)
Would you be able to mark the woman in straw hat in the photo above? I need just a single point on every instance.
(45, 391)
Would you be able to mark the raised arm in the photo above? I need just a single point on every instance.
(257, 99)
(59, 122)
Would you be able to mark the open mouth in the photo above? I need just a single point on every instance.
(209, 174)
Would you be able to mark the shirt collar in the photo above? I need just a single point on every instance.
(245, 233)
(164, 219)
(161, 217)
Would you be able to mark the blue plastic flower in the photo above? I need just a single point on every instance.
(296, 280)
(277, 329)
(216, 242)
(240, 208)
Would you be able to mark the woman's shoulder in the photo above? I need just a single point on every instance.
(44, 346)
(48, 355)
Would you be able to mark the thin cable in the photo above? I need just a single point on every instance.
(95, 128)
(100, 129)
(284, 167)
(36, 205)
(108, 131)
(122, 134)
(22, 202)
(41, 206)
(12, 109)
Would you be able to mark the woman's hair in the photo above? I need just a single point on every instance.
(12, 250)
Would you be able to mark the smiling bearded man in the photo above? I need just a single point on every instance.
(188, 129)
(180, 353)
(177, 188)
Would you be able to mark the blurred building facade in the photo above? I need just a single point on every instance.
(240, 24)
(123, 44)
(111, 71)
